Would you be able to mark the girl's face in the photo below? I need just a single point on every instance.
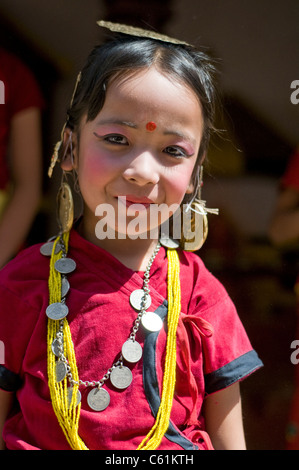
(141, 148)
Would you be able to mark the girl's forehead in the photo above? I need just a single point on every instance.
(153, 85)
(143, 75)
(149, 101)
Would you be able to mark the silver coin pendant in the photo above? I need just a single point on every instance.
(65, 265)
(169, 242)
(98, 399)
(131, 351)
(47, 248)
(136, 298)
(121, 377)
(61, 371)
(57, 311)
(151, 321)
(65, 286)
(70, 396)
(56, 348)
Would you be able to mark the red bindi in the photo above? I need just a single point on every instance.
(151, 126)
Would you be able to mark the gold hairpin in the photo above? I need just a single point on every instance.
(139, 32)
(55, 155)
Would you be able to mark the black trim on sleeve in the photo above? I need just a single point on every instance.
(9, 381)
(236, 370)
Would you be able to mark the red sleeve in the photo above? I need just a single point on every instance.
(228, 355)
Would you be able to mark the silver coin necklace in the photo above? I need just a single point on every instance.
(120, 376)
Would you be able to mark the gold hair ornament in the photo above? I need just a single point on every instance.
(139, 32)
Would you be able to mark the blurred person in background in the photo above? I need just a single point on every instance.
(20, 153)
(284, 233)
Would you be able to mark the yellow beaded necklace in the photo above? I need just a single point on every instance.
(64, 399)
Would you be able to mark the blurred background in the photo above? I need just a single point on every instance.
(256, 46)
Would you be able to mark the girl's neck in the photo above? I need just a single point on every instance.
(135, 254)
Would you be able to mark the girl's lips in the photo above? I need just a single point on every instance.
(129, 199)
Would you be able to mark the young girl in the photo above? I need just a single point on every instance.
(122, 341)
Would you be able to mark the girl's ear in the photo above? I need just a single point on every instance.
(196, 178)
(190, 188)
(68, 162)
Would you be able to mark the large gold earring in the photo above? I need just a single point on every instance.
(65, 207)
(65, 203)
(194, 222)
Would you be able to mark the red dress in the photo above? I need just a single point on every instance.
(213, 350)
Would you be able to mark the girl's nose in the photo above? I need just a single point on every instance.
(142, 170)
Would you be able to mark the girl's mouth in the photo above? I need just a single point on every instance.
(130, 199)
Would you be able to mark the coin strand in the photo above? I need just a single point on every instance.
(120, 376)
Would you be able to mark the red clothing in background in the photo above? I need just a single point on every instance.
(20, 92)
(291, 176)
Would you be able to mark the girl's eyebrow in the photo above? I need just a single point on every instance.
(132, 125)
(181, 135)
(119, 122)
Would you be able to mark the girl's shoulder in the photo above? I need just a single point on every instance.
(196, 274)
(203, 295)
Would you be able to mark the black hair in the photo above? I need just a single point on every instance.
(126, 55)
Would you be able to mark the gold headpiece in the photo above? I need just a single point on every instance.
(139, 32)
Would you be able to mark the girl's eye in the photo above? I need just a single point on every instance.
(177, 152)
(116, 139)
